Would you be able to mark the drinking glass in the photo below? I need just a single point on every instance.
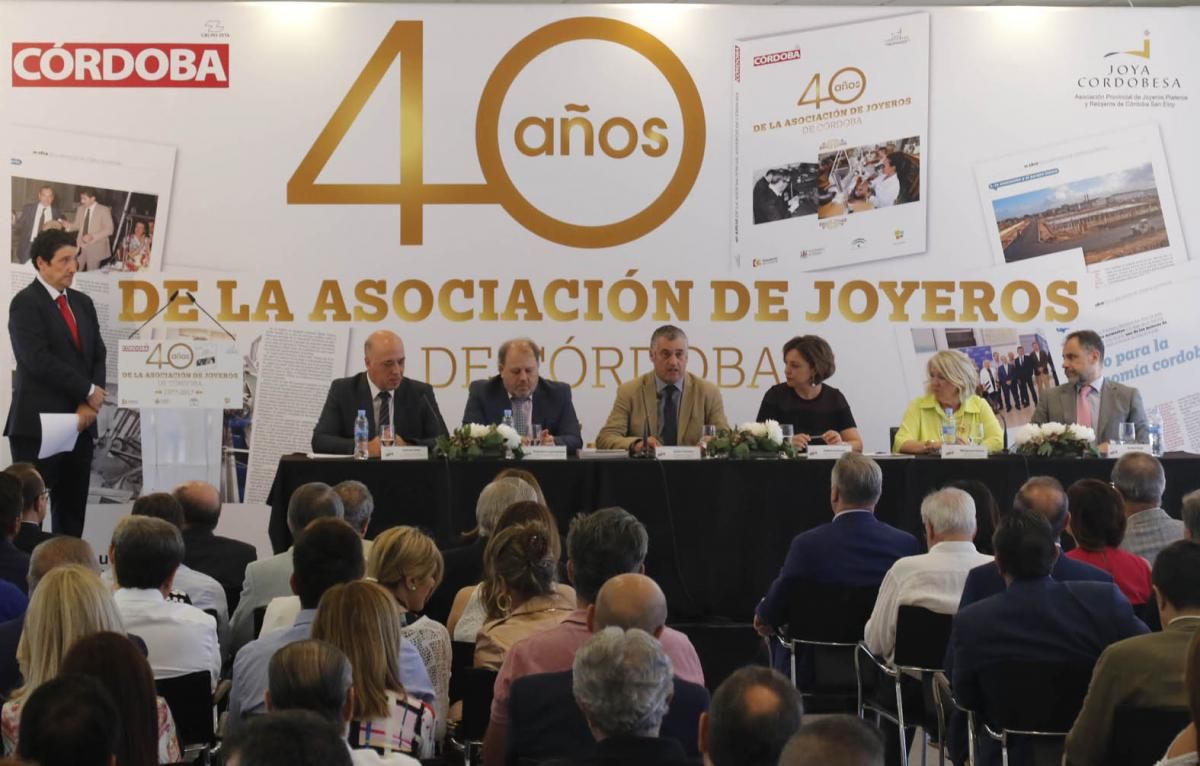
(387, 437)
(1127, 434)
(976, 436)
(788, 431)
(535, 432)
(708, 433)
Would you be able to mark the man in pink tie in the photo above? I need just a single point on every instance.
(1088, 398)
(60, 360)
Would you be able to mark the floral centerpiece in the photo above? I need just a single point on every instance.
(472, 441)
(1055, 440)
(751, 440)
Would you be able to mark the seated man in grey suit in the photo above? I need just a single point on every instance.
(271, 578)
(1087, 398)
(528, 396)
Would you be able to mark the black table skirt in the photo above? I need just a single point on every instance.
(719, 530)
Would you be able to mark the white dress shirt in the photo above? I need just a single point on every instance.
(181, 638)
(933, 580)
(41, 217)
(203, 591)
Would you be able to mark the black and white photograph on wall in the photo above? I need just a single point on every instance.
(786, 191)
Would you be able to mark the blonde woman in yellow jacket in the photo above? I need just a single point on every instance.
(951, 386)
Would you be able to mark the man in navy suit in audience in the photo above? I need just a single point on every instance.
(855, 549)
(1045, 496)
(1036, 619)
(531, 398)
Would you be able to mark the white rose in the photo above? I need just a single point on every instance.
(512, 439)
(1082, 433)
(477, 431)
(759, 430)
(747, 427)
(1053, 429)
(1026, 434)
(774, 432)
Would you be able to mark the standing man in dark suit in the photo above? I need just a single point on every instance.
(221, 558)
(530, 397)
(1031, 368)
(35, 215)
(1020, 372)
(1004, 373)
(34, 499)
(60, 360)
(385, 394)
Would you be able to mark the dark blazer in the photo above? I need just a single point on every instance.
(544, 722)
(462, 566)
(52, 375)
(631, 751)
(1040, 620)
(1031, 365)
(985, 580)
(14, 565)
(29, 536)
(24, 228)
(221, 558)
(10, 671)
(414, 407)
(855, 549)
(552, 408)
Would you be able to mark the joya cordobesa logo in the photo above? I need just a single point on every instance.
(1125, 71)
(120, 65)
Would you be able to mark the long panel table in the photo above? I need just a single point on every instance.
(719, 529)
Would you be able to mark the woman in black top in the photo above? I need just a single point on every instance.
(818, 413)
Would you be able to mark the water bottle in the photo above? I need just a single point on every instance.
(949, 428)
(361, 435)
(508, 421)
(1156, 434)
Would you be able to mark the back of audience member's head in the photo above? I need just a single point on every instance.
(312, 501)
(362, 620)
(1024, 544)
(69, 721)
(531, 510)
(753, 714)
(159, 505)
(622, 681)
(528, 478)
(1176, 576)
(858, 480)
(1191, 515)
(949, 511)
(517, 564)
(1139, 478)
(357, 504)
(406, 562)
(57, 551)
(12, 504)
(986, 511)
(32, 484)
(201, 503)
(496, 497)
(836, 740)
(1097, 515)
(601, 545)
(327, 552)
(631, 601)
(310, 675)
(70, 602)
(288, 738)
(123, 671)
(1045, 495)
(145, 552)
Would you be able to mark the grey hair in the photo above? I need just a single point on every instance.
(1139, 478)
(496, 498)
(949, 511)
(357, 504)
(859, 479)
(146, 551)
(312, 501)
(1190, 513)
(623, 682)
(502, 353)
(668, 331)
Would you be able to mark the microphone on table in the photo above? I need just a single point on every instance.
(434, 410)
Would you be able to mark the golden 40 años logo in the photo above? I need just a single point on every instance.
(535, 136)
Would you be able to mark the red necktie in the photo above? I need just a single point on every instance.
(70, 320)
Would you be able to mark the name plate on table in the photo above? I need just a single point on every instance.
(406, 452)
(555, 452)
(677, 453)
(964, 452)
(1116, 450)
(179, 374)
(827, 451)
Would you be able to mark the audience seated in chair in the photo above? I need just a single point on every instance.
(221, 558)
(843, 740)
(147, 727)
(600, 546)
(393, 700)
(1144, 671)
(145, 554)
(70, 720)
(753, 715)
(1098, 526)
(1141, 481)
(315, 676)
(542, 718)
(35, 502)
(288, 738)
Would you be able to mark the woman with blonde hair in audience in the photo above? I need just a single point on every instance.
(469, 613)
(408, 564)
(519, 593)
(70, 602)
(1182, 751)
(950, 390)
(147, 728)
(363, 620)
(528, 478)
